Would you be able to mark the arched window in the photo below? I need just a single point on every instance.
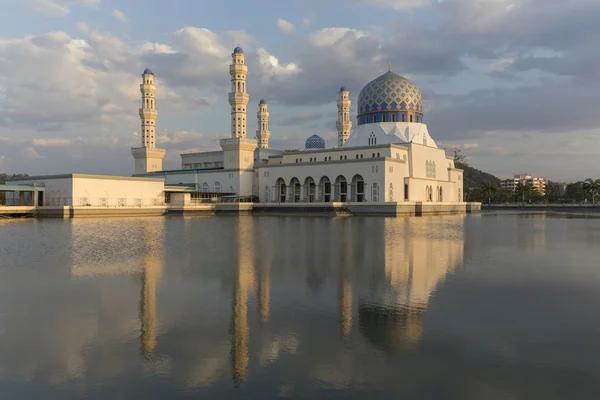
(341, 157)
(377, 155)
(361, 156)
(345, 157)
(357, 156)
(217, 187)
(375, 193)
(373, 155)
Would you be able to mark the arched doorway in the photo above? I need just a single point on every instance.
(310, 189)
(281, 190)
(325, 190)
(357, 189)
(295, 190)
(341, 189)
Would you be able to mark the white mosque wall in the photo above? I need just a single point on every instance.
(209, 159)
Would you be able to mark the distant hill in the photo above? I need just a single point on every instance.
(475, 178)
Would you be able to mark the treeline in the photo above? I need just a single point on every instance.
(587, 191)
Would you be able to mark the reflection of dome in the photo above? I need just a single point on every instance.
(147, 71)
(238, 49)
(315, 142)
(390, 94)
(391, 329)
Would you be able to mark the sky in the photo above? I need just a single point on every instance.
(513, 84)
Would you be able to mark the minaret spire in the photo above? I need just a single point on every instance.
(148, 157)
(343, 125)
(262, 134)
(238, 98)
(389, 66)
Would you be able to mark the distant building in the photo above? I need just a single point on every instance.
(524, 179)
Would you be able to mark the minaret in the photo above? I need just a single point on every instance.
(238, 98)
(148, 158)
(262, 134)
(343, 125)
(238, 151)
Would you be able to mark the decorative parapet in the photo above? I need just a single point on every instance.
(238, 143)
(146, 150)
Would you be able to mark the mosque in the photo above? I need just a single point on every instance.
(388, 157)
(386, 163)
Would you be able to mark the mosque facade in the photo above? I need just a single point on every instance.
(388, 157)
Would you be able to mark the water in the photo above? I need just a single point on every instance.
(491, 306)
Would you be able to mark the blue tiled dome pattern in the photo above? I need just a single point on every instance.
(147, 71)
(314, 142)
(390, 92)
(238, 49)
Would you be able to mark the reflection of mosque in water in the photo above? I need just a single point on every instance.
(386, 272)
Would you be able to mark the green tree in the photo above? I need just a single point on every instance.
(553, 192)
(575, 192)
(523, 192)
(488, 190)
(591, 188)
(459, 158)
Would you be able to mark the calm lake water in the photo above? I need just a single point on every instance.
(488, 306)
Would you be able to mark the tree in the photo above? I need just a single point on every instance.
(591, 188)
(459, 158)
(553, 192)
(523, 192)
(488, 190)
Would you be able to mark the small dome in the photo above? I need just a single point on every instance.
(238, 49)
(148, 71)
(263, 101)
(343, 89)
(314, 142)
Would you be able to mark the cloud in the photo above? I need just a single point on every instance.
(57, 8)
(30, 152)
(395, 4)
(119, 15)
(470, 146)
(52, 142)
(285, 26)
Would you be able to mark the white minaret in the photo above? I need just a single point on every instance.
(238, 98)
(148, 158)
(343, 124)
(262, 134)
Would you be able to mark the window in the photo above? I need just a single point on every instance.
(382, 117)
(375, 193)
(393, 117)
(345, 157)
(361, 156)
(391, 192)
(391, 169)
(406, 191)
(377, 155)
(357, 156)
(341, 157)
(403, 117)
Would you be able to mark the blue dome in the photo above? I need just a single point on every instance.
(148, 71)
(315, 142)
(389, 94)
(343, 89)
(263, 102)
(238, 49)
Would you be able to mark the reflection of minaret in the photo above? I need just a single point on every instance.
(418, 255)
(264, 290)
(244, 282)
(345, 288)
(151, 275)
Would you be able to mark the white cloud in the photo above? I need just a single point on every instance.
(50, 8)
(501, 64)
(271, 68)
(397, 4)
(285, 26)
(52, 142)
(82, 27)
(329, 36)
(57, 8)
(470, 146)
(119, 15)
(30, 152)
